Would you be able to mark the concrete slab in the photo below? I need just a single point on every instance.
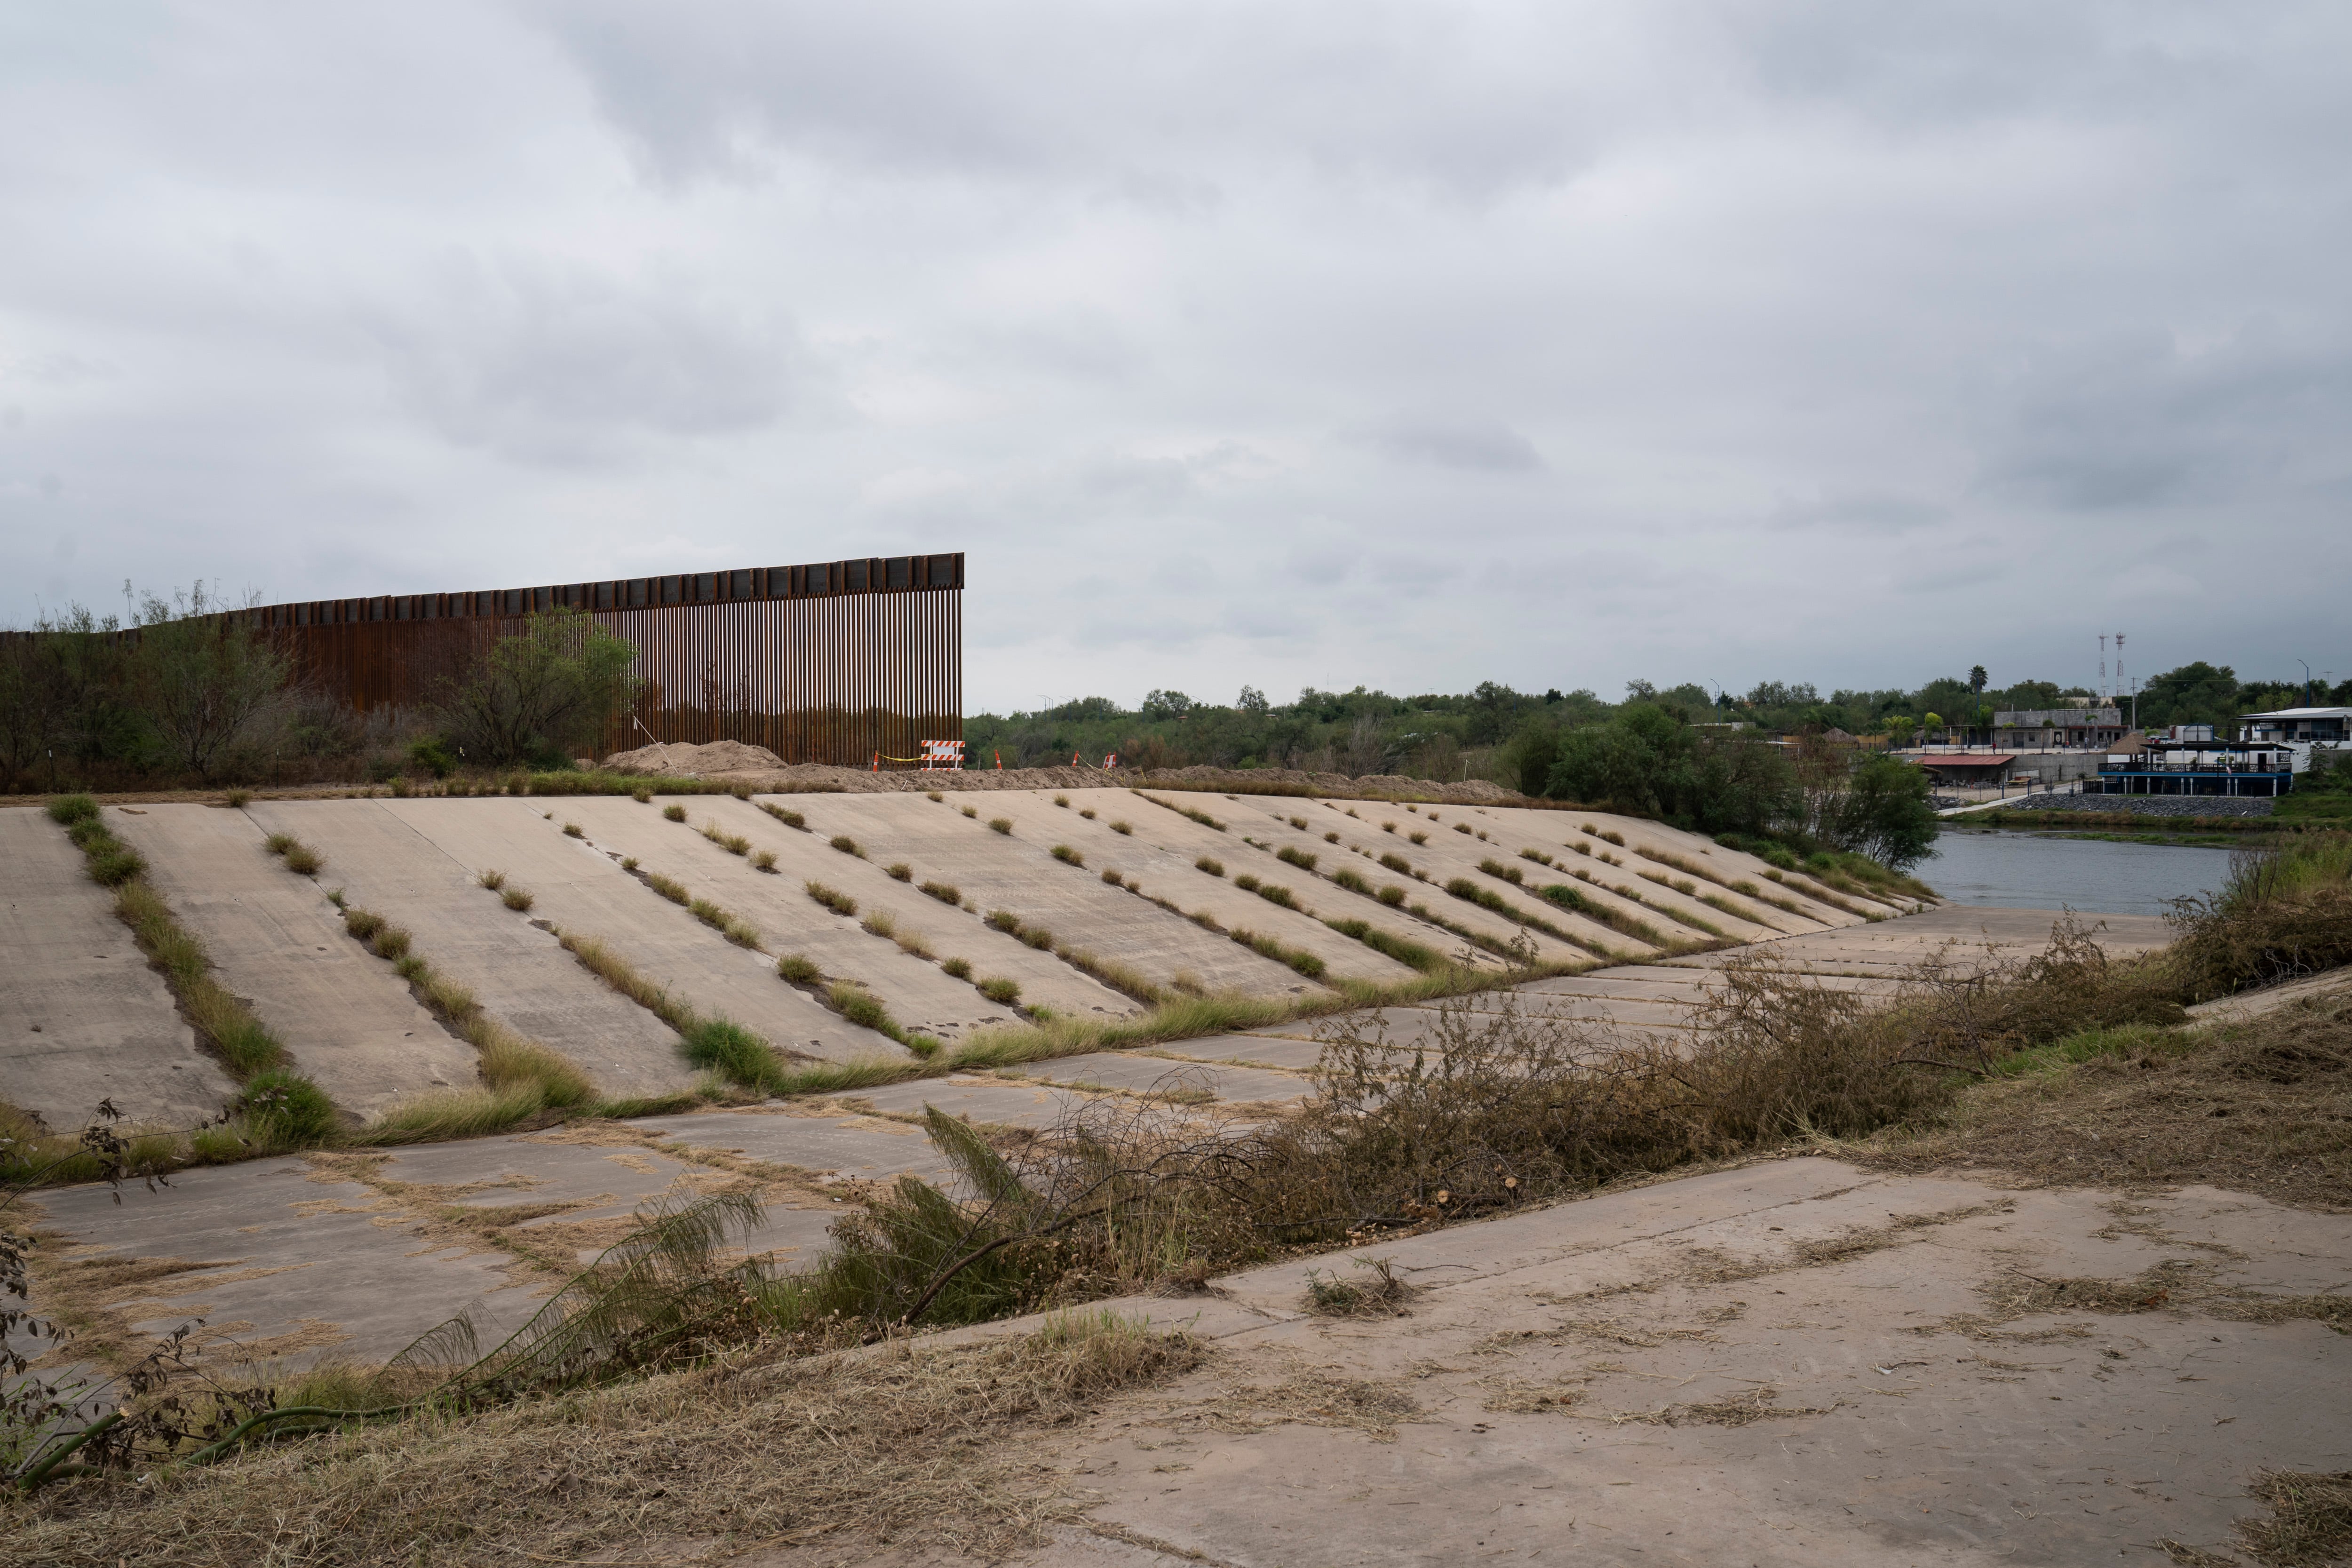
(346, 1018)
(82, 1016)
(999, 872)
(578, 890)
(1041, 822)
(919, 994)
(494, 1172)
(286, 1262)
(1160, 852)
(800, 856)
(833, 1143)
(1266, 820)
(1462, 853)
(1796, 1364)
(520, 972)
(1255, 1050)
(1148, 1075)
(989, 1099)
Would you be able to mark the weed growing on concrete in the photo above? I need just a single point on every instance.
(899, 871)
(1275, 894)
(1581, 848)
(846, 845)
(520, 1077)
(574, 830)
(733, 843)
(238, 799)
(675, 891)
(785, 815)
(934, 796)
(1122, 827)
(957, 968)
(1298, 858)
(517, 899)
(839, 902)
(641, 797)
(739, 931)
(765, 860)
(798, 969)
(1203, 817)
(1392, 896)
(881, 923)
(629, 863)
(859, 1005)
(673, 813)
(1063, 801)
(1493, 867)
(1465, 828)
(1392, 862)
(493, 880)
(1067, 856)
(1213, 868)
(1353, 881)
(1594, 909)
(946, 893)
(1537, 856)
(1299, 823)
(1087, 811)
(968, 811)
(1298, 958)
(1246, 882)
(1417, 836)
(1003, 992)
(1000, 825)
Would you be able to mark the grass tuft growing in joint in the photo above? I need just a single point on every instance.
(1067, 856)
(673, 812)
(1000, 825)
(516, 898)
(798, 969)
(946, 893)
(1122, 828)
(1213, 868)
(785, 815)
(846, 845)
(839, 902)
(899, 871)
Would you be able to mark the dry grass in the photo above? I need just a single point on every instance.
(2310, 1524)
(913, 1445)
(2263, 1106)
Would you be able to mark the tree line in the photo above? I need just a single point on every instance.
(187, 691)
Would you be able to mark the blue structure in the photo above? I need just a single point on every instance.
(2189, 760)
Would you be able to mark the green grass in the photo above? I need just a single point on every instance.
(1067, 856)
(785, 815)
(946, 893)
(833, 899)
(798, 969)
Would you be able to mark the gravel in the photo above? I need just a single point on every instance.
(2146, 805)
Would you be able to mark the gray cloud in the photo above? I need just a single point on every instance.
(1417, 342)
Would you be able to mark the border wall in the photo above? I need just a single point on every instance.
(830, 662)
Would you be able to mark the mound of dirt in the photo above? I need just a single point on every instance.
(681, 760)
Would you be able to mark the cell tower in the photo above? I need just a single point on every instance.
(2103, 664)
(2119, 664)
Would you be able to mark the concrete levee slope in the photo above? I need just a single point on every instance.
(578, 888)
(919, 994)
(1440, 860)
(583, 892)
(520, 973)
(997, 872)
(1163, 846)
(1042, 825)
(802, 857)
(348, 1021)
(82, 1016)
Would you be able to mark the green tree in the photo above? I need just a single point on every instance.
(542, 693)
(206, 679)
(1882, 812)
(2197, 693)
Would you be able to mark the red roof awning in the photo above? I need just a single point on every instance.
(1965, 760)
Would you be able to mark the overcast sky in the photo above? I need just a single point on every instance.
(1414, 344)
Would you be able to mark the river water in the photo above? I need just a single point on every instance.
(2023, 871)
